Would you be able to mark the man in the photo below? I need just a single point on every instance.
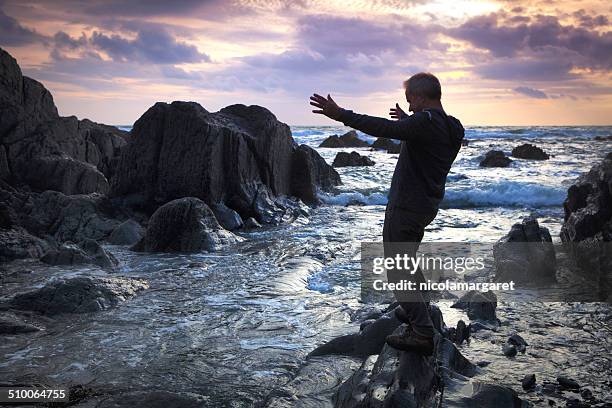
(430, 141)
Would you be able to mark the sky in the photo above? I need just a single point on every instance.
(508, 62)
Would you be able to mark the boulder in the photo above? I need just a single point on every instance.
(82, 294)
(90, 252)
(587, 229)
(528, 382)
(228, 218)
(44, 151)
(127, 233)
(396, 148)
(493, 395)
(233, 153)
(479, 305)
(383, 143)
(185, 225)
(349, 139)
(251, 223)
(530, 152)
(526, 254)
(344, 159)
(495, 158)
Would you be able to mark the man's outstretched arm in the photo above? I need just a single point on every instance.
(404, 129)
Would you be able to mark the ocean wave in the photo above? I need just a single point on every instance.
(353, 198)
(504, 194)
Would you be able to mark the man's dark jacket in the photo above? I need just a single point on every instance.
(430, 141)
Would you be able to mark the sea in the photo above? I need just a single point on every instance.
(236, 326)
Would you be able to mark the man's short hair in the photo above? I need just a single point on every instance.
(424, 84)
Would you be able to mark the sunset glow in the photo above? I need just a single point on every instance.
(500, 62)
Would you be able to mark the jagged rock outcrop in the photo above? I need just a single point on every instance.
(495, 158)
(526, 254)
(44, 151)
(185, 225)
(383, 143)
(529, 152)
(587, 229)
(345, 159)
(349, 139)
(232, 156)
(82, 294)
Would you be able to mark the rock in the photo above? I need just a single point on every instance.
(495, 158)
(18, 243)
(491, 395)
(528, 382)
(11, 324)
(251, 223)
(525, 255)
(67, 218)
(45, 151)
(126, 233)
(509, 350)
(587, 229)
(518, 342)
(71, 254)
(228, 218)
(309, 173)
(233, 152)
(479, 305)
(81, 294)
(366, 342)
(185, 225)
(383, 143)
(530, 152)
(344, 159)
(568, 383)
(349, 139)
(461, 334)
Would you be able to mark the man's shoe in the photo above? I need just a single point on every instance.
(412, 342)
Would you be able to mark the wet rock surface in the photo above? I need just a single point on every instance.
(495, 158)
(526, 254)
(82, 294)
(344, 159)
(529, 152)
(185, 225)
(89, 252)
(587, 230)
(349, 139)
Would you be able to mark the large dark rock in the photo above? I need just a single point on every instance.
(185, 225)
(81, 294)
(526, 254)
(181, 150)
(587, 230)
(127, 233)
(12, 324)
(383, 143)
(495, 158)
(228, 218)
(530, 152)
(493, 395)
(90, 252)
(17, 243)
(479, 305)
(344, 159)
(349, 139)
(45, 151)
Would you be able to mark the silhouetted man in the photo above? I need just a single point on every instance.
(430, 141)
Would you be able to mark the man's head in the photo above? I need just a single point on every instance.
(423, 90)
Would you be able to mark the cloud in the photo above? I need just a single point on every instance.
(533, 69)
(14, 34)
(530, 92)
(544, 34)
(157, 47)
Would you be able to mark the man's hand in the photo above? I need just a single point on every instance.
(327, 106)
(397, 112)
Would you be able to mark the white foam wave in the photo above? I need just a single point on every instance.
(353, 198)
(504, 194)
